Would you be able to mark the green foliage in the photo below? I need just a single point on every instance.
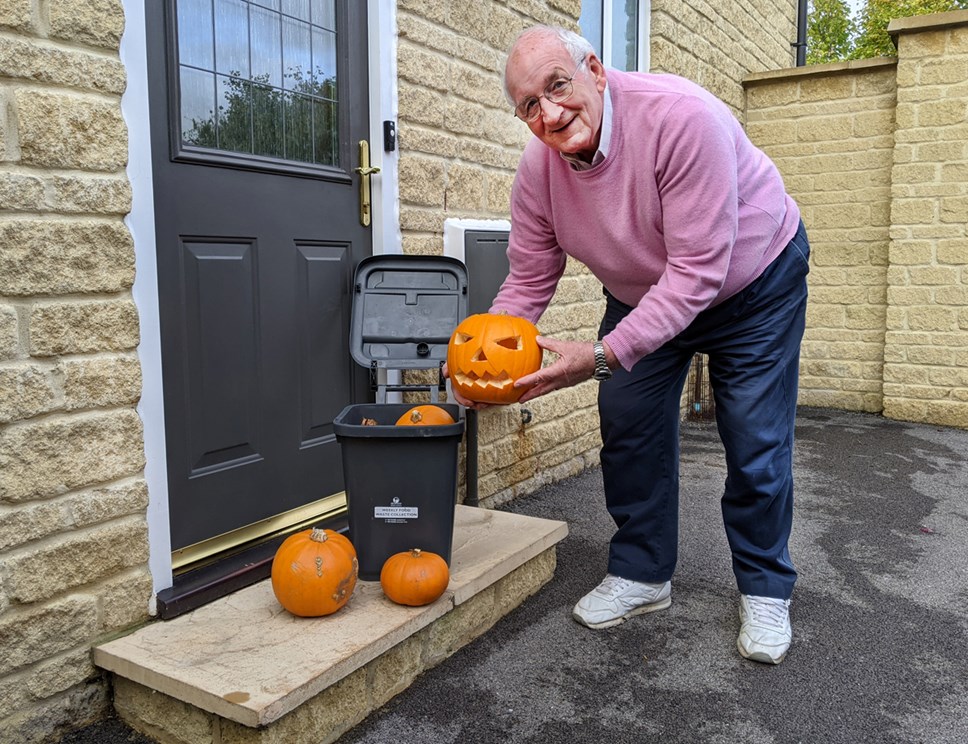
(829, 31)
(832, 35)
(873, 39)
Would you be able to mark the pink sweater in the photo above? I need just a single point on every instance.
(681, 214)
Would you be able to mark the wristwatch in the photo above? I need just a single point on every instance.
(602, 372)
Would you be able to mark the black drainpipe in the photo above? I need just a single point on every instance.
(801, 42)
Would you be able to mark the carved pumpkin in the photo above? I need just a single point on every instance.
(314, 572)
(487, 353)
(425, 416)
(414, 577)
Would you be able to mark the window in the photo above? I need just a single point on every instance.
(618, 29)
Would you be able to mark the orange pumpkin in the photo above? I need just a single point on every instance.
(487, 353)
(314, 572)
(414, 577)
(425, 416)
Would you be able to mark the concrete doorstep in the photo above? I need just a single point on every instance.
(242, 669)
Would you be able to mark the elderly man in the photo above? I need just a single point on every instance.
(650, 181)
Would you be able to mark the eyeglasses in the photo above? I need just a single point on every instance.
(558, 91)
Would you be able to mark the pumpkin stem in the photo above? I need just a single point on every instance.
(415, 552)
(415, 416)
(318, 535)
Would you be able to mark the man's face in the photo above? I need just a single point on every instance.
(572, 126)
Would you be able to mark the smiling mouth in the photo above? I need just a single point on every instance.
(487, 380)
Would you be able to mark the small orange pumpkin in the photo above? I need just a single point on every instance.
(314, 572)
(414, 577)
(488, 352)
(425, 416)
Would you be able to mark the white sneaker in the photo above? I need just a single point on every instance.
(765, 633)
(616, 598)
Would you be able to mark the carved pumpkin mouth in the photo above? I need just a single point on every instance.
(487, 380)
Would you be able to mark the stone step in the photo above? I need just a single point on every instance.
(242, 669)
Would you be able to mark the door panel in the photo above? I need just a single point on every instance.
(257, 107)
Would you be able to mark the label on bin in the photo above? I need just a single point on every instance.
(396, 512)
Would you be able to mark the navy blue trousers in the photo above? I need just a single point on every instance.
(753, 344)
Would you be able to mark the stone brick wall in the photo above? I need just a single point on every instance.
(875, 153)
(926, 345)
(73, 538)
(717, 44)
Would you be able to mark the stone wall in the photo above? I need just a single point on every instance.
(73, 539)
(875, 153)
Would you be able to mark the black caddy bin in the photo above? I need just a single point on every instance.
(401, 481)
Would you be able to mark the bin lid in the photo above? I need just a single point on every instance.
(405, 308)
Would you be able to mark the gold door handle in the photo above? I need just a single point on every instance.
(365, 170)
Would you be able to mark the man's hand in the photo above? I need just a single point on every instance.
(575, 363)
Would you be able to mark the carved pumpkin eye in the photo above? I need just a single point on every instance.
(511, 342)
(461, 338)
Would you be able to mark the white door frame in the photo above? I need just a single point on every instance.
(141, 223)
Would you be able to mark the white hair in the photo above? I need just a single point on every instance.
(577, 47)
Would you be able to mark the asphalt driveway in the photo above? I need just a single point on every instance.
(880, 616)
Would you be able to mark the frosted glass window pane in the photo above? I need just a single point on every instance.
(591, 24)
(266, 47)
(324, 61)
(232, 38)
(296, 54)
(324, 13)
(235, 115)
(325, 129)
(267, 126)
(296, 8)
(195, 33)
(624, 34)
(299, 128)
(198, 107)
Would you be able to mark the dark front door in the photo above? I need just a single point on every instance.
(257, 111)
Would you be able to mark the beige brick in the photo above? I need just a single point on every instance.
(49, 720)
(124, 599)
(464, 117)
(415, 139)
(19, 526)
(83, 327)
(37, 633)
(465, 188)
(18, 14)
(26, 390)
(30, 59)
(420, 106)
(67, 131)
(75, 559)
(422, 67)
(99, 23)
(21, 192)
(53, 456)
(954, 209)
(421, 180)
(102, 381)
(46, 257)
(910, 295)
(91, 194)
(913, 211)
(9, 332)
(953, 251)
(912, 253)
(934, 275)
(940, 113)
(432, 10)
(60, 673)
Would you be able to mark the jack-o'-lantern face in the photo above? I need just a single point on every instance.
(487, 353)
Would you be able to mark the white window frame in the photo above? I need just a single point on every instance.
(644, 17)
